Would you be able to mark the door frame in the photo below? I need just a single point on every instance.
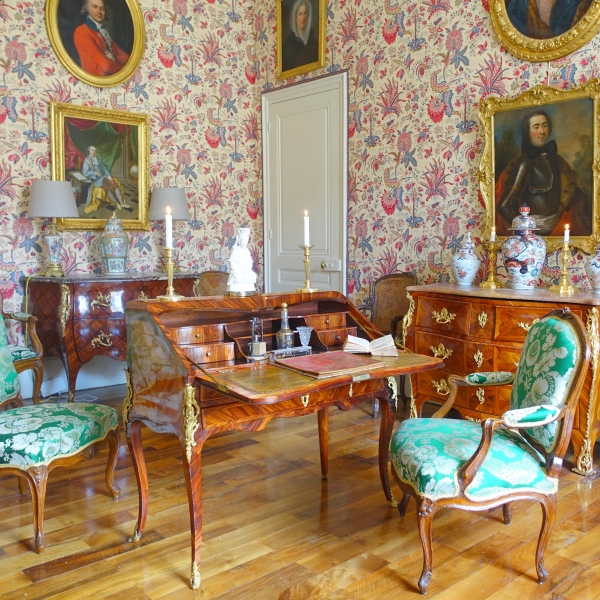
(336, 81)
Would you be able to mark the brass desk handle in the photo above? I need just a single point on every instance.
(443, 316)
(102, 300)
(527, 326)
(480, 393)
(441, 387)
(478, 358)
(102, 339)
(440, 351)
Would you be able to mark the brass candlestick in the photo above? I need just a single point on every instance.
(170, 296)
(563, 286)
(307, 287)
(492, 282)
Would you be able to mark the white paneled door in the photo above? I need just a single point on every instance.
(305, 166)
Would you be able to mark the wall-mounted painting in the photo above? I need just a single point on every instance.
(301, 35)
(105, 155)
(100, 42)
(542, 149)
(544, 30)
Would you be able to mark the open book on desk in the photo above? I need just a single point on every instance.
(383, 346)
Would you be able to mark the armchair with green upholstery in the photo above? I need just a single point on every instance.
(10, 388)
(479, 466)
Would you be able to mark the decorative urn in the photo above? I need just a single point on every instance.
(464, 263)
(523, 252)
(592, 268)
(114, 243)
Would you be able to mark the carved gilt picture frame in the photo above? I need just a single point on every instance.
(105, 154)
(555, 172)
(540, 38)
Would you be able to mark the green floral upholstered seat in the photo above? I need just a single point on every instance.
(448, 462)
(33, 438)
(9, 380)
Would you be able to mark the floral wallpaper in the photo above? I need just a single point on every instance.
(417, 71)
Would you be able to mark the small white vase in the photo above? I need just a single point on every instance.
(592, 268)
(464, 263)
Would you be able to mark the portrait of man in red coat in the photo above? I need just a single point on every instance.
(98, 35)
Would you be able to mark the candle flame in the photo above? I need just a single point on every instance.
(168, 210)
(493, 229)
(567, 227)
(306, 213)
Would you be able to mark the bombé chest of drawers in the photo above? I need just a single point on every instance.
(81, 316)
(474, 329)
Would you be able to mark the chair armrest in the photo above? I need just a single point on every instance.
(533, 416)
(467, 472)
(30, 323)
(489, 378)
(364, 307)
(394, 325)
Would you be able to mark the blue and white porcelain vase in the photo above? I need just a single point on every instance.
(114, 243)
(592, 268)
(523, 252)
(464, 263)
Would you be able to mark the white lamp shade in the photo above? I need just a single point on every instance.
(171, 197)
(52, 199)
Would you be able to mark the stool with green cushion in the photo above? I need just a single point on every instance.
(36, 439)
(479, 466)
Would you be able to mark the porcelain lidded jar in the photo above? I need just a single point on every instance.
(114, 243)
(464, 263)
(523, 252)
(592, 268)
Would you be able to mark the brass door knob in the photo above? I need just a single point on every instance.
(323, 265)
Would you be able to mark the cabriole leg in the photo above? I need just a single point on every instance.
(134, 441)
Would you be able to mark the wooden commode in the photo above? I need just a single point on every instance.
(474, 329)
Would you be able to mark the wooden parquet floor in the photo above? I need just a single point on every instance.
(273, 529)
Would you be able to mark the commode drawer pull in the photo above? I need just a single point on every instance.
(101, 300)
(478, 358)
(441, 387)
(527, 326)
(440, 351)
(443, 316)
(480, 393)
(482, 318)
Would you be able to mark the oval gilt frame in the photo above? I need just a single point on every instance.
(547, 49)
(135, 57)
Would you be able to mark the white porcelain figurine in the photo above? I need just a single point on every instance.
(241, 276)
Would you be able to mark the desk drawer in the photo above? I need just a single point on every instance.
(331, 321)
(336, 337)
(106, 338)
(210, 353)
(443, 315)
(197, 335)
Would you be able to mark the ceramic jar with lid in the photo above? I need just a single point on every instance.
(465, 264)
(114, 244)
(523, 252)
(592, 268)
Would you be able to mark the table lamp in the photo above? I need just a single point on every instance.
(169, 204)
(53, 199)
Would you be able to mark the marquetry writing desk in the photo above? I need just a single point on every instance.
(188, 375)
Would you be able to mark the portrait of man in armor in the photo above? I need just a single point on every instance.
(552, 173)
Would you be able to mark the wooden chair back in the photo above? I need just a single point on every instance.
(212, 283)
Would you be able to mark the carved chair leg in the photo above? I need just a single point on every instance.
(402, 390)
(548, 516)
(38, 372)
(323, 418)
(403, 503)
(134, 441)
(385, 435)
(506, 513)
(22, 481)
(113, 455)
(38, 478)
(425, 512)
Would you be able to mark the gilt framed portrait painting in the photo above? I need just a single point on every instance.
(101, 42)
(301, 36)
(104, 154)
(541, 149)
(544, 30)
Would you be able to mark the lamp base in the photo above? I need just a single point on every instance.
(308, 290)
(167, 298)
(491, 284)
(54, 270)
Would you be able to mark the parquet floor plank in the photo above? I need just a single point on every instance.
(274, 530)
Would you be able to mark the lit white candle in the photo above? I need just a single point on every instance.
(306, 236)
(567, 232)
(493, 235)
(168, 228)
